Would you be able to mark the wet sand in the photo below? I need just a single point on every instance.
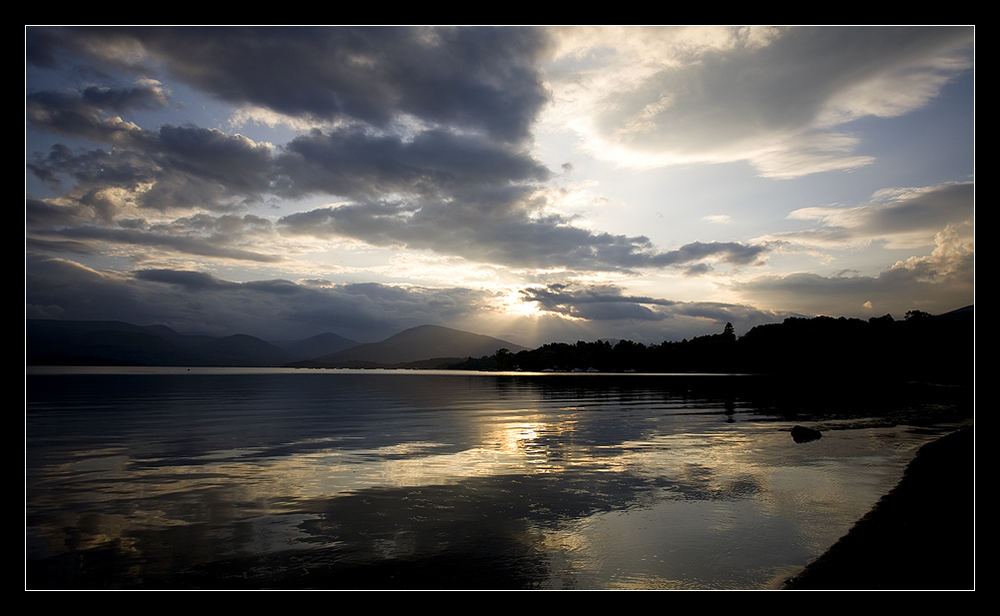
(920, 536)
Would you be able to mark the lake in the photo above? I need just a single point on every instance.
(338, 479)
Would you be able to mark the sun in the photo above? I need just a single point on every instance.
(512, 303)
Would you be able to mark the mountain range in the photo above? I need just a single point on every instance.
(420, 344)
(920, 344)
(53, 342)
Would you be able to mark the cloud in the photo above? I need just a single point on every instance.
(606, 302)
(64, 289)
(594, 302)
(88, 112)
(185, 245)
(508, 227)
(953, 258)
(40, 213)
(416, 120)
(359, 164)
(939, 282)
(449, 194)
(479, 79)
(781, 99)
(172, 168)
(34, 245)
(437, 173)
(55, 228)
(900, 217)
(429, 151)
(734, 253)
(188, 281)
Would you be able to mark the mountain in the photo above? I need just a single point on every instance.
(118, 343)
(968, 312)
(49, 342)
(412, 345)
(52, 342)
(323, 344)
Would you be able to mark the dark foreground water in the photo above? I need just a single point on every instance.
(202, 478)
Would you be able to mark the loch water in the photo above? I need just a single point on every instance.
(337, 479)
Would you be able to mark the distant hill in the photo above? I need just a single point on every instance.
(413, 345)
(922, 346)
(323, 344)
(50, 342)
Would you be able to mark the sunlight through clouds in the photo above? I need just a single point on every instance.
(650, 97)
(684, 165)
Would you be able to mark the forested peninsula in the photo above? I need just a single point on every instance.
(921, 346)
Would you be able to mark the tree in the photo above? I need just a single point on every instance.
(504, 359)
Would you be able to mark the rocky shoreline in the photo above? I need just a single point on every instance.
(920, 536)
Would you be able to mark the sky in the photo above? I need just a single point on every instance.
(537, 184)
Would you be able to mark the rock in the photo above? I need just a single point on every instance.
(802, 434)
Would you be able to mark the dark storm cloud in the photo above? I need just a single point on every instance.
(226, 226)
(476, 78)
(64, 289)
(191, 301)
(744, 316)
(61, 228)
(507, 230)
(698, 269)
(87, 113)
(174, 167)
(188, 281)
(42, 46)
(233, 160)
(457, 186)
(39, 213)
(33, 245)
(601, 302)
(183, 167)
(729, 252)
(200, 282)
(202, 246)
(492, 231)
(356, 163)
(457, 179)
(189, 167)
(609, 303)
(93, 169)
(372, 311)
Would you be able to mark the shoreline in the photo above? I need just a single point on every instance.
(919, 536)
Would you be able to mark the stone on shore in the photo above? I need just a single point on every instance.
(802, 434)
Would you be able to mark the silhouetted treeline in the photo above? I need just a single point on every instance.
(921, 346)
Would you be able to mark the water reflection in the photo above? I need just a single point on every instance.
(448, 481)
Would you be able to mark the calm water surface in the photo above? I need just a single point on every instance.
(211, 478)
